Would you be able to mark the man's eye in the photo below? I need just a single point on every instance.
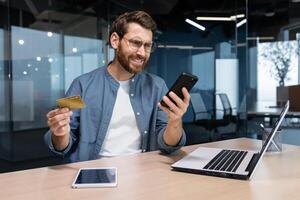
(137, 43)
(148, 45)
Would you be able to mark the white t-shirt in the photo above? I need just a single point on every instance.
(123, 136)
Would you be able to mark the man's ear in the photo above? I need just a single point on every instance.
(114, 40)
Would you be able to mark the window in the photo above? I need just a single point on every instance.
(82, 55)
(273, 58)
(43, 68)
(37, 69)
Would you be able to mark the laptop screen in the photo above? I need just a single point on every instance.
(275, 128)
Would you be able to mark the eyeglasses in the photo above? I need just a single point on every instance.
(135, 44)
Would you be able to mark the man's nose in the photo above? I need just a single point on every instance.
(141, 51)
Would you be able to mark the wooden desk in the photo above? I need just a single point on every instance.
(149, 176)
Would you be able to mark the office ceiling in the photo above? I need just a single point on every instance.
(265, 17)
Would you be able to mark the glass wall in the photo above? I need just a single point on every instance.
(273, 49)
(46, 56)
(217, 55)
(274, 63)
(203, 65)
(4, 108)
(82, 55)
(44, 45)
(36, 72)
(4, 75)
(50, 46)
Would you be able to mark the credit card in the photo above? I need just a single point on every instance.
(73, 102)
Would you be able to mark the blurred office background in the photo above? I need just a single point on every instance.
(242, 52)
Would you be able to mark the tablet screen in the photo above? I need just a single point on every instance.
(96, 177)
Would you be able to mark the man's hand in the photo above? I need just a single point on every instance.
(175, 112)
(58, 122)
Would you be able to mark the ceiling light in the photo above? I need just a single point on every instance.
(158, 32)
(184, 47)
(25, 73)
(261, 38)
(49, 34)
(74, 49)
(241, 23)
(214, 18)
(202, 28)
(240, 15)
(270, 14)
(38, 58)
(235, 17)
(231, 18)
(50, 60)
(21, 42)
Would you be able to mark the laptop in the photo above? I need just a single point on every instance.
(228, 163)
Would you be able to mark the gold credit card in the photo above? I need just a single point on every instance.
(73, 102)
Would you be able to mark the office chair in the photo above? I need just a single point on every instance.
(227, 109)
(204, 117)
(199, 108)
(229, 128)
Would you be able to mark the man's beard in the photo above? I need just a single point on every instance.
(125, 62)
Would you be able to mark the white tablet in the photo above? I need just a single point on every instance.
(96, 177)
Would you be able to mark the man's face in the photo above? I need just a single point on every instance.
(133, 51)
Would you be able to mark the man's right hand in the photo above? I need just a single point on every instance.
(58, 122)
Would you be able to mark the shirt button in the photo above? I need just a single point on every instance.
(145, 132)
(132, 94)
(132, 80)
(138, 113)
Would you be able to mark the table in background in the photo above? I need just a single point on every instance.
(149, 176)
(265, 109)
(269, 110)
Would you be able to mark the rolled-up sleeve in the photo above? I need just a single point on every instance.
(163, 147)
(74, 124)
(48, 141)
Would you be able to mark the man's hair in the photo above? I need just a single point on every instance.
(120, 25)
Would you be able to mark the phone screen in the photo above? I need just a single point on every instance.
(96, 177)
(88, 176)
(184, 80)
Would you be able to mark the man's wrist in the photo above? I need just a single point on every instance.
(60, 143)
(173, 133)
(177, 123)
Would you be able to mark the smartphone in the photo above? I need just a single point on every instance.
(184, 80)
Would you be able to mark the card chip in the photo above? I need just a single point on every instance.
(72, 102)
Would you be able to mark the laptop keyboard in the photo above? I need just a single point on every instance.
(226, 160)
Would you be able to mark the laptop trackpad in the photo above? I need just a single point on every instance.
(198, 158)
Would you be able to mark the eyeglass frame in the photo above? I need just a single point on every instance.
(136, 47)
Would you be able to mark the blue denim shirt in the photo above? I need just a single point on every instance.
(98, 90)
